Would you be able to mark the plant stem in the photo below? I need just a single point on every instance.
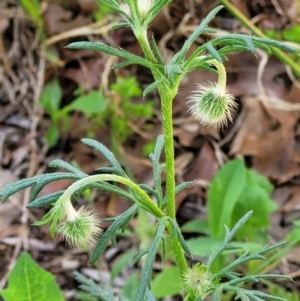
(169, 155)
(144, 200)
(247, 23)
(221, 75)
(167, 96)
(167, 93)
(144, 43)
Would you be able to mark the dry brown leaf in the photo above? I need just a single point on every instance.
(88, 75)
(205, 166)
(88, 6)
(273, 150)
(242, 76)
(293, 203)
(57, 19)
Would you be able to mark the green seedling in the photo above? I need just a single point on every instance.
(89, 104)
(27, 281)
(210, 104)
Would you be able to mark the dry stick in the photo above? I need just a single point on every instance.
(247, 23)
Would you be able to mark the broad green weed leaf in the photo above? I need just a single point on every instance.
(51, 97)
(261, 181)
(29, 282)
(255, 197)
(292, 34)
(223, 195)
(234, 191)
(203, 246)
(92, 103)
(52, 135)
(127, 87)
(196, 226)
(167, 283)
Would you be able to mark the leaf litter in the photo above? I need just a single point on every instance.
(265, 130)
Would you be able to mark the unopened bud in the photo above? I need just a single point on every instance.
(212, 105)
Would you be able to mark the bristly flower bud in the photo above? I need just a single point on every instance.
(125, 8)
(197, 281)
(79, 228)
(144, 6)
(212, 104)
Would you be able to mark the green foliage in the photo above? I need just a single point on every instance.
(27, 281)
(32, 7)
(167, 283)
(290, 34)
(90, 104)
(119, 109)
(234, 191)
(94, 290)
(121, 263)
(126, 89)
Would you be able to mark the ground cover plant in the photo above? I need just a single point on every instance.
(212, 105)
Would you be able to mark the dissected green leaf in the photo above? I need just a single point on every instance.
(93, 289)
(148, 266)
(110, 233)
(58, 163)
(45, 200)
(192, 38)
(105, 152)
(153, 86)
(39, 182)
(182, 186)
(213, 51)
(98, 46)
(27, 282)
(156, 51)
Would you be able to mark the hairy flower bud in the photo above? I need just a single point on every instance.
(79, 228)
(211, 105)
(144, 6)
(125, 8)
(198, 281)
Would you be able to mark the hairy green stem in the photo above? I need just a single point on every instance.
(247, 23)
(167, 94)
(166, 103)
(222, 76)
(144, 43)
(144, 200)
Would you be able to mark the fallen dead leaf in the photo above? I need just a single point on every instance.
(205, 165)
(272, 145)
